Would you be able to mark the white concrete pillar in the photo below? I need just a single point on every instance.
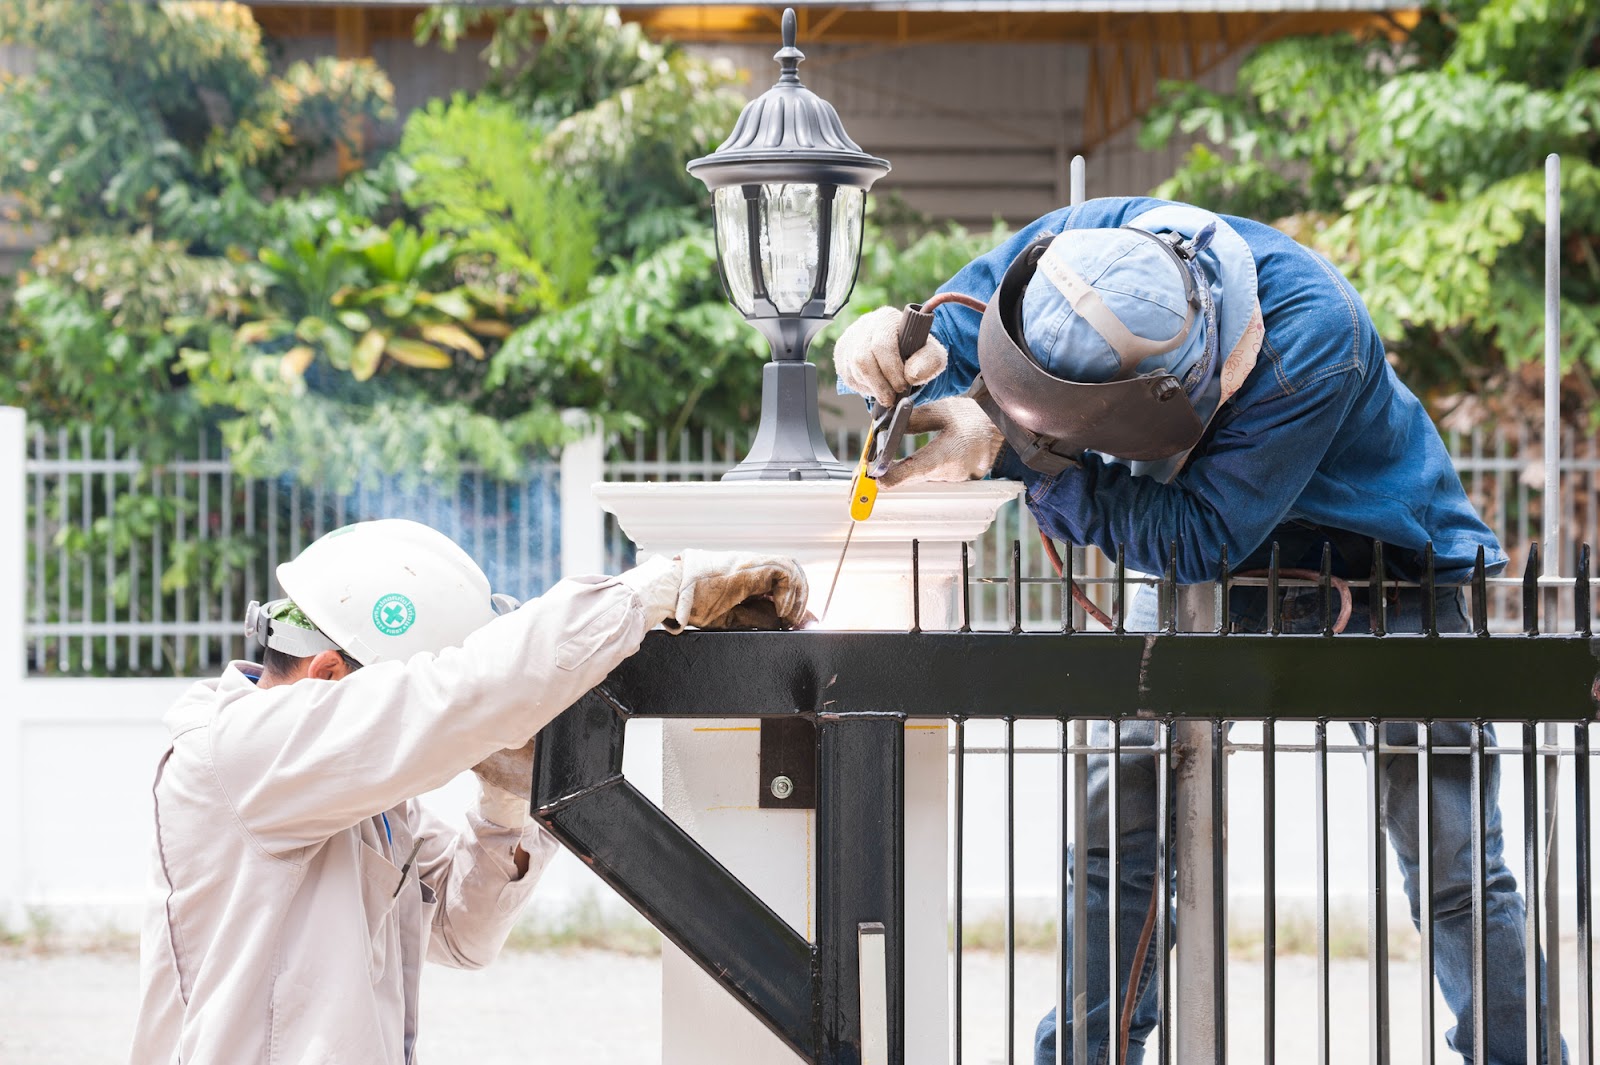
(13, 664)
(583, 523)
(710, 767)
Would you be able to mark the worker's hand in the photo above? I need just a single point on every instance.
(964, 450)
(505, 786)
(716, 583)
(867, 357)
(715, 589)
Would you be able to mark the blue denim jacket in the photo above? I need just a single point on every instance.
(1321, 432)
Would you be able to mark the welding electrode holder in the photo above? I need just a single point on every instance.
(889, 423)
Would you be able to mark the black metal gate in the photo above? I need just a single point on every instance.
(1166, 696)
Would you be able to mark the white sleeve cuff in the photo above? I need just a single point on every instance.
(656, 584)
(500, 807)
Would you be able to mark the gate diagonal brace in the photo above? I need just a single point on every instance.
(804, 992)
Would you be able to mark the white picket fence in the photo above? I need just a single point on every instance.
(167, 598)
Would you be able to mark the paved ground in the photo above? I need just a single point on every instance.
(594, 1007)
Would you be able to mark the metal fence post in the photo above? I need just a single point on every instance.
(1198, 856)
(13, 661)
(583, 522)
(860, 848)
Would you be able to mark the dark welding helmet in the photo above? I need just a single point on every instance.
(1107, 340)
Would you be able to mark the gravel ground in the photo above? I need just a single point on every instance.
(596, 1008)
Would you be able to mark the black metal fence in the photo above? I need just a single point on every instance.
(1156, 721)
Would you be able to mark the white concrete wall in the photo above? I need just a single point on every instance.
(77, 762)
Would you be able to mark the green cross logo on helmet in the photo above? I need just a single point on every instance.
(393, 614)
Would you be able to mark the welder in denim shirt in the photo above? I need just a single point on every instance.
(1181, 384)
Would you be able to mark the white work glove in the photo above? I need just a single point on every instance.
(505, 786)
(964, 450)
(867, 357)
(713, 589)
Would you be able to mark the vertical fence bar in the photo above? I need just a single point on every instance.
(1323, 1031)
(228, 614)
(180, 497)
(202, 536)
(1064, 936)
(1269, 890)
(1016, 586)
(1480, 596)
(1274, 596)
(1011, 889)
(85, 565)
(1425, 882)
(1378, 906)
(1584, 860)
(1499, 481)
(1530, 884)
(39, 650)
(135, 642)
(959, 785)
(64, 502)
(1480, 914)
(1114, 894)
(157, 557)
(108, 447)
(1120, 615)
(1163, 885)
(1080, 892)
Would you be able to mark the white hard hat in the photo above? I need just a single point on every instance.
(389, 589)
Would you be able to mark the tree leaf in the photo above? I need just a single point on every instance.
(415, 353)
(296, 361)
(368, 353)
(452, 336)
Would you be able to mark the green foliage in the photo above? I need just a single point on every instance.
(654, 344)
(1416, 163)
(129, 99)
(623, 113)
(553, 62)
(479, 176)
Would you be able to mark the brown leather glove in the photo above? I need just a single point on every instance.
(714, 583)
(704, 589)
(964, 450)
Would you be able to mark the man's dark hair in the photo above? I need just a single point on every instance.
(280, 665)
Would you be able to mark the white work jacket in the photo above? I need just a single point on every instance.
(279, 927)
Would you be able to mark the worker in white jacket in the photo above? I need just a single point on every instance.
(296, 883)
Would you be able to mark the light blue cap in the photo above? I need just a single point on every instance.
(1140, 284)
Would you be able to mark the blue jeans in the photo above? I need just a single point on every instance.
(1452, 853)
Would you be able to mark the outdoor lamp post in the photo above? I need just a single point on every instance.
(789, 191)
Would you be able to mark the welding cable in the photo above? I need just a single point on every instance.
(970, 302)
(1078, 595)
(1345, 602)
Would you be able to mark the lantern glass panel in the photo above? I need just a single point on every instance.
(844, 246)
(733, 246)
(789, 243)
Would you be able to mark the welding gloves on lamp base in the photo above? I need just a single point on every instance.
(705, 589)
(715, 589)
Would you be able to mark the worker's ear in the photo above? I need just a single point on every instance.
(327, 665)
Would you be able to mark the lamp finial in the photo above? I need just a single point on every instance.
(789, 56)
